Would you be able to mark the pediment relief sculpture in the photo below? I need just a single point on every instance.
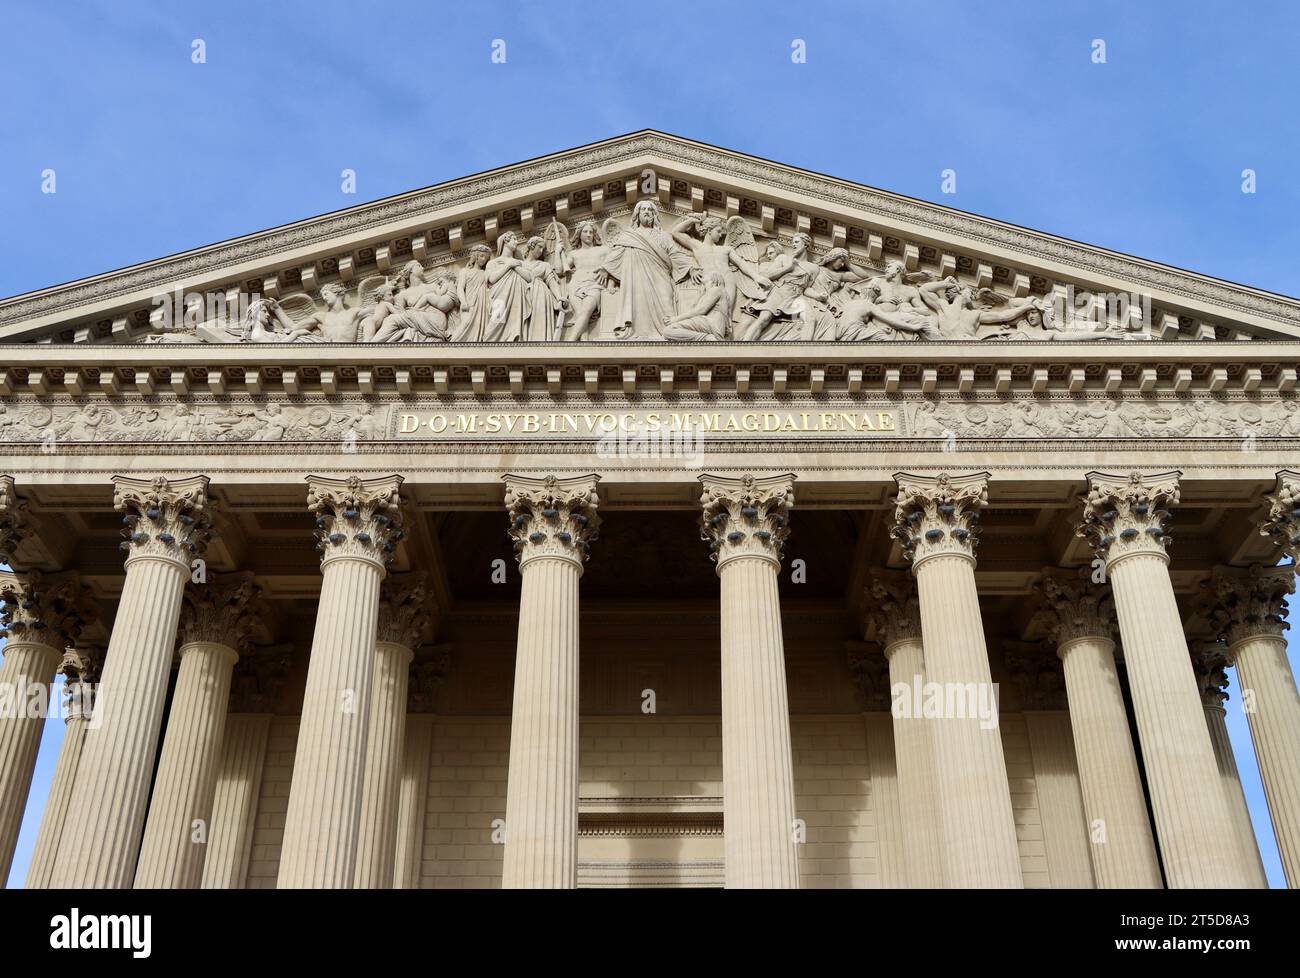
(704, 278)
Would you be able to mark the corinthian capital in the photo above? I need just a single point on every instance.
(1283, 522)
(428, 670)
(893, 611)
(1125, 515)
(553, 517)
(1210, 662)
(1246, 602)
(746, 517)
(258, 679)
(939, 514)
(219, 612)
(1071, 607)
(357, 518)
(14, 525)
(404, 610)
(52, 611)
(870, 670)
(165, 518)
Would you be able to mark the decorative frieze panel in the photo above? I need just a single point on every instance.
(348, 423)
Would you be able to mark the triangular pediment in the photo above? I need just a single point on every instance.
(873, 267)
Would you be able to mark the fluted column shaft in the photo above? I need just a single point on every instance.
(979, 833)
(107, 811)
(757, 764)
(1264, 675)
(1243, 832)
(1122, 846)
(40, 871)
(180, 812)
(26, 681)
(412, 800)
(234, 802)
(553, 522)
(917, 784)
(1190, 808)
(358, 523)
(542, 792)
(322, 825)
(377, 845)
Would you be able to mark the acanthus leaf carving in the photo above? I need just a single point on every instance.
(51, 610)
(937, 515)
(1283, 521)
(165, 518)
(893, 609)
(405, 610)
(1242, 603)
(1072, 607)
(747, 516)
(358, 518)
(1125, 515)
(552, 517)
(220, 612)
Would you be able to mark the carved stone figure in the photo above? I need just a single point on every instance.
(546, 303)
(727, 247)
(417, 308)
(582, 261)
(794, 303)
(709, 318)
(648, 264)
(337, 323)
(472, 291)
(509, 292)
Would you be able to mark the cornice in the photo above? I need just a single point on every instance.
(406, 212)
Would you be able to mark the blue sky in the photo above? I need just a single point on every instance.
(1144, 154)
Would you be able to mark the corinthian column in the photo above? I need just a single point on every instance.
(41, 616)
(895, 616)
(1124, 517)
(426, 675)
(80, 668)
(215, 624)
(404, 614)
(1210, 662)
(746, 521)
(254, 692)
(937, 521)
(166, 526)
(1078, 618)
(552, 522)
(358, 524)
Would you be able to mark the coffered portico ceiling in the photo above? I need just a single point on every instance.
(722, 247)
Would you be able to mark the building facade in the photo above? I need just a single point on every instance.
(649, 515)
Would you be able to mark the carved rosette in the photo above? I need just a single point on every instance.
(14, 527)
(1210, 662)
(356, 518)
(553, 517)
(165, 518)
(258, 679)
(428, 670)
(1248, 602)
(50, 611)
(1072, 607)
(219, 612)
(1283, 522)
(938, 515)
(893, 610)
(1126, 515)
(870, 670)
(404, 610)
(746, 517)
